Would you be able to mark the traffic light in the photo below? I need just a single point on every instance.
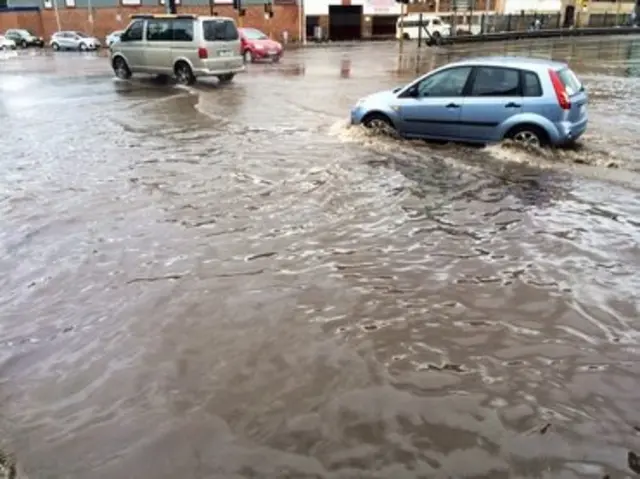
(268, 9)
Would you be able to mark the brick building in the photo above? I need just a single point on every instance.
(100, 17)
(356, 19)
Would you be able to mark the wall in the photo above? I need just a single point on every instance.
(516, 6)
(102, 20)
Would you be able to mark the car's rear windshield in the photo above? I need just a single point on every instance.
(219, 30)
(570, 81)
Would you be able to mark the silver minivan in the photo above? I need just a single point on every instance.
(185, 46)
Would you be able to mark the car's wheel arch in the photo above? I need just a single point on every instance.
(179, 60)
(545, 126)
(371, 113)
(120, 56)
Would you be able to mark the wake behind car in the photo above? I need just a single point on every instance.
(71, 40)
(24, 38)
(258, 46)
(185, 46)
(484, 100)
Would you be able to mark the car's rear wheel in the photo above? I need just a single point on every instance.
(24, 44)
(379, 121)
(528, 135)
(55, 46)
(121, 69)
(184, 74)
(3, 47)
(248, 56)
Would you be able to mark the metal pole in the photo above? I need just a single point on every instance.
(211, 5)
(420, 31)
(55, 8)
(401, 27)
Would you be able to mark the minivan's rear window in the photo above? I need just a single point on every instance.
(219, 30)
(570, 81)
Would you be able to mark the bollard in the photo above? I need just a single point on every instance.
(345, 67)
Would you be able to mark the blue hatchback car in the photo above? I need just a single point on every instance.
(484, 100)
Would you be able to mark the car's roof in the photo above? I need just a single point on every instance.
(512, 61)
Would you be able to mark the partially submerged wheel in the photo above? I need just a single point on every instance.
(55, 46)
(184, 74)
(248, 57)
(121, 69)
(528, 135)
(380, 122)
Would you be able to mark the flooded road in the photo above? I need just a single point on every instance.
(229, 282)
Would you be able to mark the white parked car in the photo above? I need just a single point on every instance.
(73, 41)
(112, 38)
(6, 43)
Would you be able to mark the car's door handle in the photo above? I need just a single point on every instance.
(512, 105)
(453, 105)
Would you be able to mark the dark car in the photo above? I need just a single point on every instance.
(24, 38)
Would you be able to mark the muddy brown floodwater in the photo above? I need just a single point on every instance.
(229, 282)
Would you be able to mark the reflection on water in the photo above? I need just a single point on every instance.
(231, 282)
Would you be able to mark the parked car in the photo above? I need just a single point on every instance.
(185, 46)
(484, 100)
(258, 46)
(112, 38)
(73, 41)
(6, 43)
(409, 27)
(24, 38)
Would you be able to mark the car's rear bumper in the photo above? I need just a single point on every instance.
(218, 71)
(568, 132)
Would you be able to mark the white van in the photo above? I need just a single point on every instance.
(434, 25)
(185, 46)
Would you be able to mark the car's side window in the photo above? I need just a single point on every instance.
(494, 81)
(182, 30)
(450, 82)
(133, 33)
(531, 86)
(159, 31)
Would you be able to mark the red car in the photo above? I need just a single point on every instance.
(257, 46)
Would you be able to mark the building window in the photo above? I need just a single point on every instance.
(48, 4)
(70, 3)
(162, 2)
(129, 3)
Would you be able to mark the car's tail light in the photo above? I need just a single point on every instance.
(203, 53)
(561, 91)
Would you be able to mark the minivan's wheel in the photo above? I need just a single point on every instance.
(226, 78)
(121, 69)
(248, 57)
(55, 46)
(24, 44)
(184, 74)
(528, 135)
(380, 122)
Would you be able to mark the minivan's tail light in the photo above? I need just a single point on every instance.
(561, 91)
(203, 53)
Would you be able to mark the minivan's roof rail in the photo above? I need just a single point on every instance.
(182, 16)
